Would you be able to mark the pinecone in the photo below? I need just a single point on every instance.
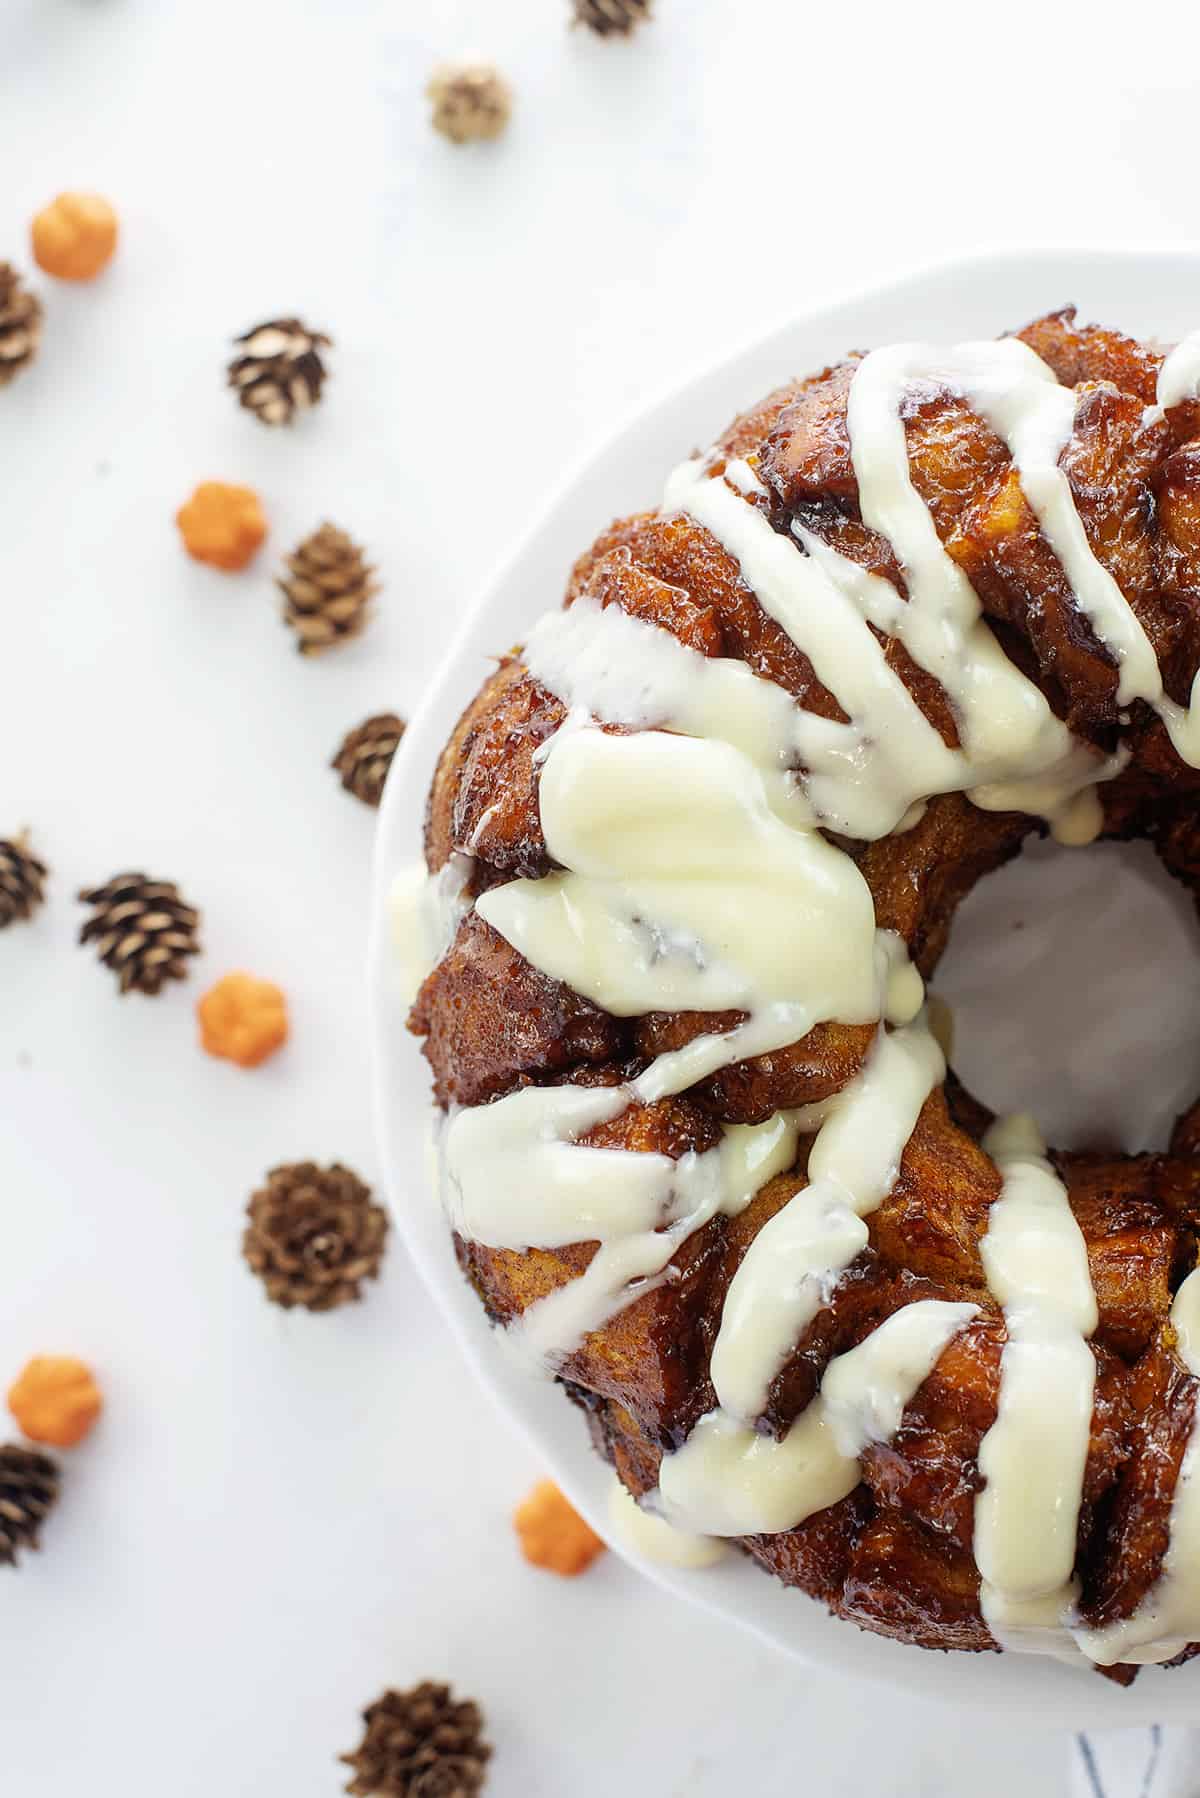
(326, 590)
(611, 18)
(21, 877)
(28, 1489)
(279, 371)
(366, 755)
(142, 930)
(470, 101)
(20, 324)
(420, 1744)
(314, 1235)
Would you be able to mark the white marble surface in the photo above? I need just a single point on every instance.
(281, 1515)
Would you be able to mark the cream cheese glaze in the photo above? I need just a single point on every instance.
(1033, 1457)
(515, 1176)
(863, 776)
(729, 1480)
(651, 910)
(692, 875)
(793, 1264)
(645, 1533)
(1179, 376)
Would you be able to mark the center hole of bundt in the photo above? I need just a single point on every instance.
(1073, 977)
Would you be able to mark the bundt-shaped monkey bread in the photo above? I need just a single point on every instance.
(698, 846)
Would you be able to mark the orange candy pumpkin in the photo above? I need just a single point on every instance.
(75, 236)
(243, 1019)
(55, 1399)
(553, 1534)
(222, 525)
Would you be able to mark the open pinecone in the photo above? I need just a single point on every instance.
(142, 930)
(366, 755)
(471, 101)
(28, 1489)
(20, 324)
(326, 590)
(279, 370)
(21, 877)
(420, 1744)
(314, 1235)
(611, 18)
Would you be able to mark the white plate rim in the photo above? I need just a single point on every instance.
(736, 1590)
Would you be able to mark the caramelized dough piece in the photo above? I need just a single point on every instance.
(816, 1555)
(745, 437)
(484, 803)
(902, 1583)
(447, 778)
(953, 458)
(647, 1355)
(615, 579)
(491, 1021)
(1175, 546)
(683, 554)
(1162, 1399)
(807, 456)
(747, 1092)
(1111, 462)
(937, 1210)
(1000, 548)
(1089, 353)
(1124, 1207)
(929, 1470)
(932, 1222)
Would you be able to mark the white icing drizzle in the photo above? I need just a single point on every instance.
(621, 670)
(413, 944)
(864, 776)
(727, 1480)
(1033, 1457)
(645, 1533)
(693, 877)
(669, 845)
(514, 1176)
(791, 1268)
(423, 914)
(1013, 389)
(1179, 376)
(1168, 1618)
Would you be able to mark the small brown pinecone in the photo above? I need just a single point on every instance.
(21, 877)
(20, 324)
(611, 18)
(420, 1744)
(366, 755)
(28, 1489)
(142, 930)
(326, 590)
(314, 1235)
(471, 101)
(279, 370)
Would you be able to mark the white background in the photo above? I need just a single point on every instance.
(280, 1515)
